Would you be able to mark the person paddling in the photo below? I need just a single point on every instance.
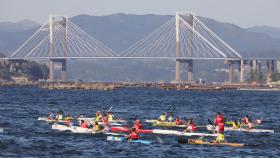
(220, 138)
(246, 120)
(51, 116)
(137, 124)
(133, 135)
(110, 117)
(220, 122)
(68, 120)
(105, 122)
(191, 127)
(171, 117)
(178, 121)
(98, 116)
(59, 116)
(96, 127)
(84, 124)
(162, 117)
(235, 124)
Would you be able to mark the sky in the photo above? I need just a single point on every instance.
(245, 13)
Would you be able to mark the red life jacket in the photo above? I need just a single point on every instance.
(219, 120)
(193, 127)
(246, 120)
(84, 125)
(138, 125)
(133, 135)
(178, 122)
(105, 119)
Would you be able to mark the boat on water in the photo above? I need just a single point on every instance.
(165, 124)
(160, 131)
(90, 121)
(202, 142)
(77, 129)
(123, 139)
(253, 130)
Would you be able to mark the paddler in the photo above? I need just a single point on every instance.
(59, 116)
(220, 138)
(220, 122)
(171, 117)
(235, 124)
(105, 122)
(51, 116)
(178, 121)
(162, 117)
(68, 120)
(246, 120)
(191, 127)
(83, 124)
(133, 135)
(96, 127)
(137, 124)
(110, 117)
(98, 116)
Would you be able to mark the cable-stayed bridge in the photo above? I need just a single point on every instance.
(183, 38)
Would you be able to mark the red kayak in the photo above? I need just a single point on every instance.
(127, 130)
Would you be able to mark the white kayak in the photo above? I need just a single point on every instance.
(210, 128)
(89, 121)
(77, 129)
(173, 132)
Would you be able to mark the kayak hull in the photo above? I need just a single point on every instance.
(123, 139)
(159, 131)
(211, 128)
(165, 124)
(77, 129)
(201, 142)
(114, 123)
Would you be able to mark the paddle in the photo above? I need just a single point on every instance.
(110, 108)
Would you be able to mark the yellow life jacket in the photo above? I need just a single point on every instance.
(98, 117)
(220, 138)
(110, 118)
(162, 118)
(97, 127)
(235, 126)
(59, 117)
(68, 118)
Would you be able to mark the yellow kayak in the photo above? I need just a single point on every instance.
(201, 142)
(165, 124)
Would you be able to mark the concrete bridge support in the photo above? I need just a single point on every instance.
(278, 66)
(190, 70)
(230, 71)
(63, 70)
(241, 71)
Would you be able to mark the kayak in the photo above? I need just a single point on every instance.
(49, 120)
(201, 142)
(114, 123)
(77, 129)
(165, 124)
(74, 129)
(123, 139)
(92, 119)
(210, 128)
(159, 131)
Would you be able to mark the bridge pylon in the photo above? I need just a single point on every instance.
(190, 33)
(63, 22)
